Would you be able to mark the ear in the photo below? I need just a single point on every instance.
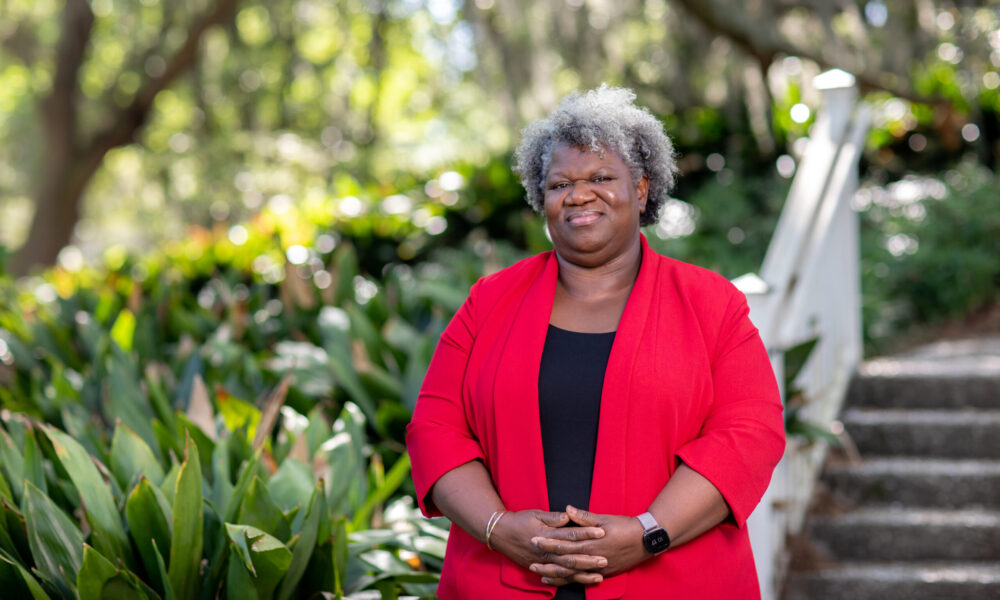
(642, 191)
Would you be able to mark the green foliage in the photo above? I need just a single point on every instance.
(230, 440)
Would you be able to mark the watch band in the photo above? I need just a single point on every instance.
(647, 521)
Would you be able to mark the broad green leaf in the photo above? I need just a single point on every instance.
(131, 457)
(202, 442)
(28, 581)
(55, 540)
(95, 572)
(108, 535)
(169, 441)
(99, 579)
(222, 487)
(393, 479)
(5, 492)
(305, 543)
(186, 539)
(16, 530)
(126, 401)
(149, 517)
(292, 485)
(259, 510)
(258, 562)
(12, 463)
(34, 470)
(247, 475)
(123, 331)
(161, 570)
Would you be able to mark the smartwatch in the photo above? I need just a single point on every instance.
(654, 537)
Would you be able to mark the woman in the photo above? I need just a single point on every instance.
(597, 419)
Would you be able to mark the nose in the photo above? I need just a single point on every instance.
(580, 193)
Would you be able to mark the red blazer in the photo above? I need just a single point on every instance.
(687, 380)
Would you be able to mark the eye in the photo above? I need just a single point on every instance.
(558, 185)
(601, 178)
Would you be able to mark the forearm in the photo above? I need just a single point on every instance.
(467, 497)
(688, 506)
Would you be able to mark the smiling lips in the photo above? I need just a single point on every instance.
(583, 218)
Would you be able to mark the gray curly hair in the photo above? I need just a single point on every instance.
(601, 119)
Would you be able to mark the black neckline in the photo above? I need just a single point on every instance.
(599, 333)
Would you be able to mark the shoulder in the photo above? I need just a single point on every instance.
(506, 281)
(701, 286)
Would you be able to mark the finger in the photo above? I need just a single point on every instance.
(552, 571)
(588, 578)
(555, 581)
(553, 519)
(575, 534)
(553, 549)
(578, 562)
(582, 517)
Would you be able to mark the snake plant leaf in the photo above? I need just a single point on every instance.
(149, 516)
(257, 563)
(161, 570)
(259, 510)
(131, 457)
(108, 535)
(186, 539)
(305, 543)
(222, 487)
(55, 540)
(18, 582)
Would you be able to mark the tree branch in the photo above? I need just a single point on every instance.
(134, 116)
(764, 44)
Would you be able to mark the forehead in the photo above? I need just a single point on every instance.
(568, 158)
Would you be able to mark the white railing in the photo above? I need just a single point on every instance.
(808, 288)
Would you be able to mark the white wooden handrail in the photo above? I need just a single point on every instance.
(808, 288)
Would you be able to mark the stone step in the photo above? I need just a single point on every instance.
(916, 482)
(931, 433)
(896, 534)
(895, 581)
(925, 391)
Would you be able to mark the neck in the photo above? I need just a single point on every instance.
(595, 282)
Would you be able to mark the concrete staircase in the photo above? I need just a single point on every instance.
(914, 513)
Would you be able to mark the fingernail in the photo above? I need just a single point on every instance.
(535, 540)
(534, 568)
(546, 580)
(602, 563)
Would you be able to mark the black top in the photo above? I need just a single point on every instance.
(570, 381)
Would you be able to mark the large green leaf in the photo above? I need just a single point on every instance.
(108, 534)
(132, 457)
(25, 582)
(126, 401)
(292, 485)
(260, 510)
(305, 543)
(246, 477)
(257, 563)
(186, 540)
(123, 331)
(12, 463)
(99, 579)
(149, 517)
(55, 540)
(34, 470)
(393, 479)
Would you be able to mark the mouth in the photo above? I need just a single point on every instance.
(583, 218)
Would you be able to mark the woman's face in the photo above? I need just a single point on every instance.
(592, 206)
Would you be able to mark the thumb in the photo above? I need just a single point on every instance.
(582, 517)
(553, 519)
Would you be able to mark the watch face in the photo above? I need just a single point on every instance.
(656, 541)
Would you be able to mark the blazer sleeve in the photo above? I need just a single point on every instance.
(439, 437)
(743, 436)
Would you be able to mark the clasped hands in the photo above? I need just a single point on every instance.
(601, 545)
